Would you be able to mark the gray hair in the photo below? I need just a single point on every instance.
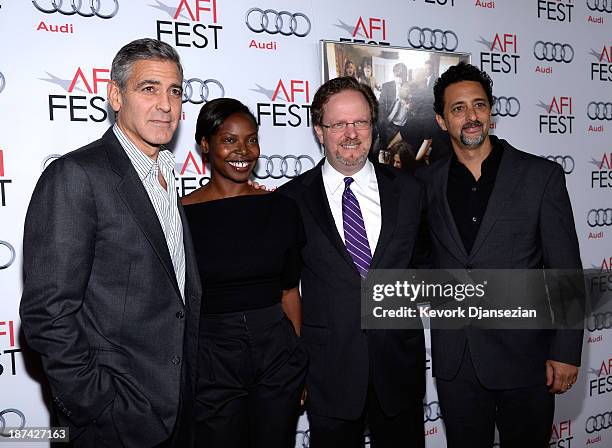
(141, 49)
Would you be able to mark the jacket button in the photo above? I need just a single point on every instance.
(180, 315)
(176, 360)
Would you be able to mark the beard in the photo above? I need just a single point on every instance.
(473, 142)
(359, 159)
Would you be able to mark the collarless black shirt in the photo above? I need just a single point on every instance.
(468, 197)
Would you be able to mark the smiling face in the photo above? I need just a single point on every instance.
(234, 149)
(467, 115)
(346, 150)
(149, 107)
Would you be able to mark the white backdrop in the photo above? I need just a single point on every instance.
(55, 59)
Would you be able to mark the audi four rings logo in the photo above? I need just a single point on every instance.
(197, 91)
(84, 8)
(566, 162)
(432, 412)
(11, 257)
(599, 5)
(9, 419)
(598, 422)
(273, 22)
(2, 82)
(553, 51)
(277, 167)
(599, 217)
(505, 106)
(599, 111)
(433, 39)
(600, 321)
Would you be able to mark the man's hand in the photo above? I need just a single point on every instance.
(259, 186)
(560, 377)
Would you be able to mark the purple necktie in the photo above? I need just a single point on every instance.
(355, 236)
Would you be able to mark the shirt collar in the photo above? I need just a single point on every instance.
(335, 180)
(141, 162)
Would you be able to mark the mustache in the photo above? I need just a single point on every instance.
(471, 124)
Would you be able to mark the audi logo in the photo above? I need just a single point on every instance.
(11, 418)
(431, 411)
(597, 110)
(566, 162)
(94, 8)
(47, 161)
(277, 167)
(599, 321)
(505, 106)
(600, 5)
(598, 422)
(197, 91)
(11, 257)
(599, 217)
(274, 22)
(433, 39)
(553, 51)
(2, 82)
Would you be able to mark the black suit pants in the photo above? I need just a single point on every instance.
(402, 430)
(251, 373)
(470, 411)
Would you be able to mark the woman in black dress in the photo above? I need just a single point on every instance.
(251, 366)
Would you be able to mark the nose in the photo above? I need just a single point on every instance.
(164, 104)
(350, 130)
(471, 113)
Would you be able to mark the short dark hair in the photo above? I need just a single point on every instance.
(337, 85)
(457, 73)
(215, 112)
(141, 49)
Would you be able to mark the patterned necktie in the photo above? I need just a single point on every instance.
(355, 236)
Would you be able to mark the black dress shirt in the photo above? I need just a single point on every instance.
(468, 197)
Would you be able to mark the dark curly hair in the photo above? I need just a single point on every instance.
(215, 112)
(457, 73)
(337, 85)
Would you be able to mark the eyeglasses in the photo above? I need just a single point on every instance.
(360, 125)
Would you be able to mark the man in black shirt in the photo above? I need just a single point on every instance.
(491, 206)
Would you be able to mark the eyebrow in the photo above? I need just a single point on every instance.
(145, 82)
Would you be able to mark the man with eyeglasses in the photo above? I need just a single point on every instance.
(357, 216)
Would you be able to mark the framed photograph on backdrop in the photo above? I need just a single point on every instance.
(406, 134)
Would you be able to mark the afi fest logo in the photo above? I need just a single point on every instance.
(602, 69)
(8, 347)
(288, 105)
(82, 101)
(501, 55)
(555, 10)
(601, 176)
(270, 23)
(195, 23)
(191, 172)
(559, 116)
(603, 383)
(3, 182)
(561, 435)
(370, 30)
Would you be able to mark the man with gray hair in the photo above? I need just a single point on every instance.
(111, 290)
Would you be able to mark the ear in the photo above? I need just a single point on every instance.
(204, 145)
(441, 123)
(319, 131)
(113, 94)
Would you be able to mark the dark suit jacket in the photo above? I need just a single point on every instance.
(343, 357)
(101, 302)
(528, 224)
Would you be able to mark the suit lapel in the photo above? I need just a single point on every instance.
(506, 181)
(315, 199)
(447, 229)
(389, 201)
(133, 194)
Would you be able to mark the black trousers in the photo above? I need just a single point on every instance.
(402, 430)
(251, 374)
(523, 416)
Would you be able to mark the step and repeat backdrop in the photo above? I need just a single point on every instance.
(551, 62)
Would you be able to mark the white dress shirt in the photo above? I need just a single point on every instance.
(365, 189)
